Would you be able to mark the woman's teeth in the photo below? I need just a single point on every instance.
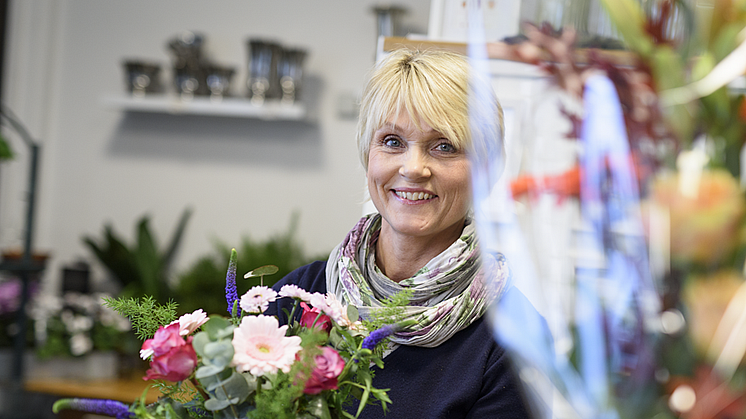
(413, 196)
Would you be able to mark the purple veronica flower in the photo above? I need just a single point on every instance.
(375, 337)
(231, 294)
(111, 408)
(197, 411)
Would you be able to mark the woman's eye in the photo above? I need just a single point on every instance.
(392, 142)
(445, 148)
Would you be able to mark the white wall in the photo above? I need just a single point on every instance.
(241, 176)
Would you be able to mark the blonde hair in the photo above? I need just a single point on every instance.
(432, 87)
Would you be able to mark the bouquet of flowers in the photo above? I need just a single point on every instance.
(248, 365)
(76, 324)
(10, 302)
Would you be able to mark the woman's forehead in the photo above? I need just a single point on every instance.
(403, 122)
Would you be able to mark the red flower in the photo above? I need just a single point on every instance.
(176, 365)
(165, 339)
(309, 316)
(324, 375)
(174, 358)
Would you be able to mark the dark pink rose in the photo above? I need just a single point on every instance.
(309, 317)
(324, 375)
(164, 340)
(175, 365)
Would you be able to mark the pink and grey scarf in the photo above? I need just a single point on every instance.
(449, 293)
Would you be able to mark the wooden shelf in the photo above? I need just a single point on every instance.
(501, 50)
(228, 107)
(126, 391)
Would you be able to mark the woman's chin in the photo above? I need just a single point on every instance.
(415, 227)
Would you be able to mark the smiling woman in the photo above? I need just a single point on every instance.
(414, 141)
(419, 182)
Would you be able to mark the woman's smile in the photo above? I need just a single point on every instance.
(414, 196)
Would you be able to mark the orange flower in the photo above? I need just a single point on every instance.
(706, 227)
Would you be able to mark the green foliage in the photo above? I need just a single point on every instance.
(141, 268)
(391, 312)
(105, 330)
(629, 19)
(203, 284)
(676, 69)
(281, 403)
(6, 153)
(262, 271)
(286, 397)
(227, 390)
(164, 408)
(145, 313)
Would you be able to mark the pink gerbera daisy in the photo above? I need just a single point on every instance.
(261, 346)
(294, 291)
(190, 322)
(257, 299)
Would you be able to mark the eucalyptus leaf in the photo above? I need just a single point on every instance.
(240, 411)
(218, 362)
(222, 349)
(235, 389)
(251, 381)
(208, 370)
(227, 332)
(352, 313)
(335, 338)
(217, 327)
(199, 341)
(215, 404)
(358, 333)
(261, 271)
(209, 380)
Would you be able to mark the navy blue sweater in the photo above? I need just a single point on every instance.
(468, 376)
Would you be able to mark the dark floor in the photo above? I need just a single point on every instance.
(18, 404)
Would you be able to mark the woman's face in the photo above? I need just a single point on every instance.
(418, 180)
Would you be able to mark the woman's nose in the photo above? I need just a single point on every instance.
(414, 166)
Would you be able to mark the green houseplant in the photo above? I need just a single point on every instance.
(141, 268)
(201, 285)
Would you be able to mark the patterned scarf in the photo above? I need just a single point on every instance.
(454, 289)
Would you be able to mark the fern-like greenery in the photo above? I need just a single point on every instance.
(145, 314)
(391, 312)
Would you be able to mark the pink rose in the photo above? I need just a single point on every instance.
(309, 317)
(164, 340)
(175, 365)
(173, 359)
(324, 376)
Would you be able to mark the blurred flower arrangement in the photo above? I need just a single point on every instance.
(683, 116)
(247, 365)
(76, 324)
(10, 301)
